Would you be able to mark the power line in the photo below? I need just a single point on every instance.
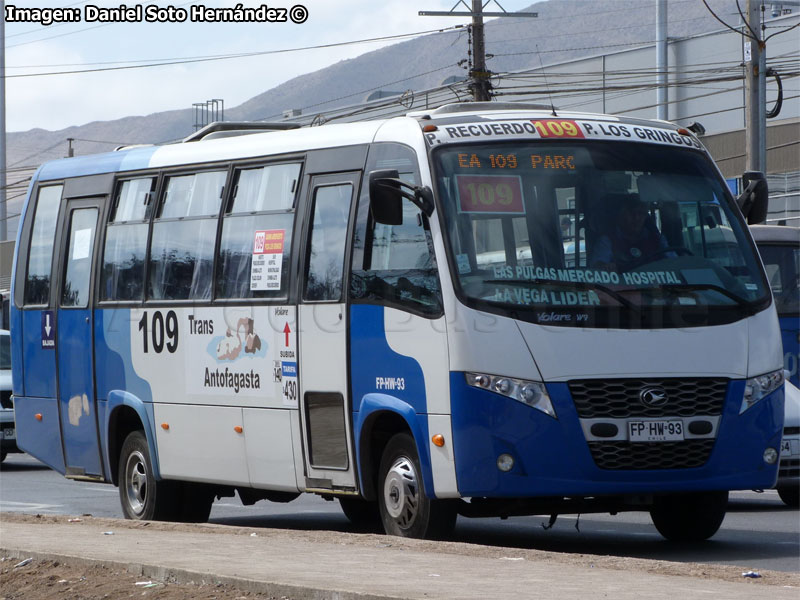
(239, 55)
(364, 91)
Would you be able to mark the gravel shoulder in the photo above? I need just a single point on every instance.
(44, 578)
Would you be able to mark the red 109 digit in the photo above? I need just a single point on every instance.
(488, 195)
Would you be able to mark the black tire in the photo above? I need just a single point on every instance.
(405, 509)
(195, 502)
(142, 497)
(3, 455)
(790, 495)
(364, 515)
(690, 517)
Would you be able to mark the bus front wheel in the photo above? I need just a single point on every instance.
(790, 494)
(364, 515)
(405, 509)
(689, 517)
(142, 497)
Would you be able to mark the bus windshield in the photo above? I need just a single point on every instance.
(596, 234)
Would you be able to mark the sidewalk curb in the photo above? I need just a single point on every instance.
(171, 575)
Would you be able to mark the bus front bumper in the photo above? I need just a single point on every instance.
(551, 456)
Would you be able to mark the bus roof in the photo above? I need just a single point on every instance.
(254, 145)
(775, 234)
(231, 148)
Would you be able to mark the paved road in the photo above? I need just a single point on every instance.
(758, 533)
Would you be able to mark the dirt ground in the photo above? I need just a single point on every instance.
(49, 580)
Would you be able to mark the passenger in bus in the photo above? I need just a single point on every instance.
(633, 238)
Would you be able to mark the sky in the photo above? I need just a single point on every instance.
(54, 102)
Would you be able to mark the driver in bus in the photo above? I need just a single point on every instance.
(633, 239)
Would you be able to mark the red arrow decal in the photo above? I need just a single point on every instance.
(286, 332)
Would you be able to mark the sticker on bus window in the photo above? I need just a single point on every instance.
(265, 270)
(494, 194)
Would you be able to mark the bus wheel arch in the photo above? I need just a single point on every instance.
(122, 422)
(376, 431)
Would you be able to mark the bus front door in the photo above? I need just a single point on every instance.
(74, 341)
(322, 338)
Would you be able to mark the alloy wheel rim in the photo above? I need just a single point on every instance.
(401, 492)
(136, 482)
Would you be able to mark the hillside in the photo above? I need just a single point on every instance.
(565, 29)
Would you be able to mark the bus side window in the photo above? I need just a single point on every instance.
(78, 267)
(328, 235)
(262, 205)
(122, 276)
(37, 285)
(184, 236)
(394, 264)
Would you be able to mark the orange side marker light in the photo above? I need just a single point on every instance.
(165, 426)
(38, 416)
(238, 429)
(438, 440)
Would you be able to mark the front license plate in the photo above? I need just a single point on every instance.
(8, 433)
(790, 447)
(655, 431)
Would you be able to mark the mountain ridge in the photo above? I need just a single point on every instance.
(566, 29)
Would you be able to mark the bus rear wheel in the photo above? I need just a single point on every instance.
(142, 497)
(195, 502)
(405, 509)
(690, 517)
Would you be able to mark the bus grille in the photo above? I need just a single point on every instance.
(662, 455)
(619, 398)
(789, 468)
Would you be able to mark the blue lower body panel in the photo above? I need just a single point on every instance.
(40, 438)
(552, 457)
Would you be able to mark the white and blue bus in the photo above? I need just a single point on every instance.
(436, 315)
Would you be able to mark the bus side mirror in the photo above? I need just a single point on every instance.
(386, 193)
(385, 198)
(754, 200)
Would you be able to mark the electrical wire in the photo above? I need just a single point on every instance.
(238, 55)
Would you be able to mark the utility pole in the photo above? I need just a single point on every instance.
(755, 59)
(479, 75)
(3, 184)
(661, 61)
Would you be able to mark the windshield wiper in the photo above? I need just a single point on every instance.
(693, 287)
(690, 287)
(581, 285)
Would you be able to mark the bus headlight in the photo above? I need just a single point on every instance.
(532, 393)
(756, 388)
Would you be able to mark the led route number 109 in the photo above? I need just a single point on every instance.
(490, 194)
